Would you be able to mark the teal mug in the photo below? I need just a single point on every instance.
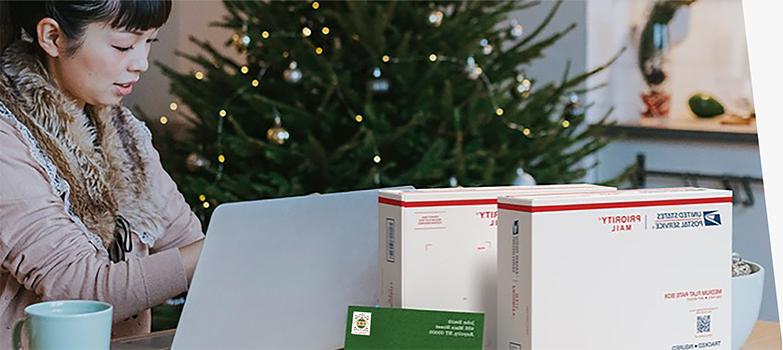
(65, 324)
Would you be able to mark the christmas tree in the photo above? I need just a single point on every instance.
(344, 95)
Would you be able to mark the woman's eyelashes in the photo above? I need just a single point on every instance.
(126, 48)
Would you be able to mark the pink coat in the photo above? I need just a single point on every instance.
(46, 256)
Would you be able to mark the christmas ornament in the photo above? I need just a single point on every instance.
(435, 18)
(705, 106)
(516, 30)
(277, 134)
(240, 41)
(487, 50)
(572, 109)
(378, 84)
(486, 47)
(196, 162)
(473, 70)
(292, 75)
(523, 86)
(523, 178)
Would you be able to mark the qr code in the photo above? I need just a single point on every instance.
(703, 324)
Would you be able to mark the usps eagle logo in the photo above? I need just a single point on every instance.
(711, 218)
(361, 323)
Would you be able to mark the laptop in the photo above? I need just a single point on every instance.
(280, 273)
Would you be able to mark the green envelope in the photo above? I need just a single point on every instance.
(388, 328)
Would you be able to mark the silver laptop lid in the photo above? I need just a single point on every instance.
(280, 273)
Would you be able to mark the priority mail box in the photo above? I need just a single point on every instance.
(628, 269)
(438, 248)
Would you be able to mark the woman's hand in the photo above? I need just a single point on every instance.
(190, 254)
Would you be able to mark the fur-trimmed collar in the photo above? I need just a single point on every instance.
(102, 152)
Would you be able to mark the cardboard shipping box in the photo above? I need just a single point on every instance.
(438, 248)
(628, 269)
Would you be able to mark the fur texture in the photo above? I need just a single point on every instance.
(103, 153)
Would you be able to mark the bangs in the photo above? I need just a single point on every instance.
(139, 14)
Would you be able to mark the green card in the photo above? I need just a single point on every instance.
(387, 328)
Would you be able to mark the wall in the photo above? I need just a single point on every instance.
(709, 55)
(569, 48)
(187, 18)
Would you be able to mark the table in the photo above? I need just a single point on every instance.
(154, 341)
(765, 336)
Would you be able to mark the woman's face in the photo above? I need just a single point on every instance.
(106, 65)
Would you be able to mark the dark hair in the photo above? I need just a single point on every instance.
(74, 16)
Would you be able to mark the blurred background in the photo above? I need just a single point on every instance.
(344, 95)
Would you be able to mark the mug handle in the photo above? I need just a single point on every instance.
(18, 333)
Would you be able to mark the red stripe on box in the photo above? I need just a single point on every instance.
(450, 203)
(568, 207)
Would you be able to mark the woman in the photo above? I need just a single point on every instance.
(86, 210)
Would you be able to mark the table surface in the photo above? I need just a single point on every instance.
(765, 336)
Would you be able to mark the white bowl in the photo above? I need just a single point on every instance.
(746, 292)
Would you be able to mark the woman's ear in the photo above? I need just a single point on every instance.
(50, 37)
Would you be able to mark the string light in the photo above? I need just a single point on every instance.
(359, 118)
(565, 123)
(205, 205)
(164, 120)
(173, 106)
(202, 197)
(316, 5)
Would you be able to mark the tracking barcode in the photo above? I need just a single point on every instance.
(390, 240)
